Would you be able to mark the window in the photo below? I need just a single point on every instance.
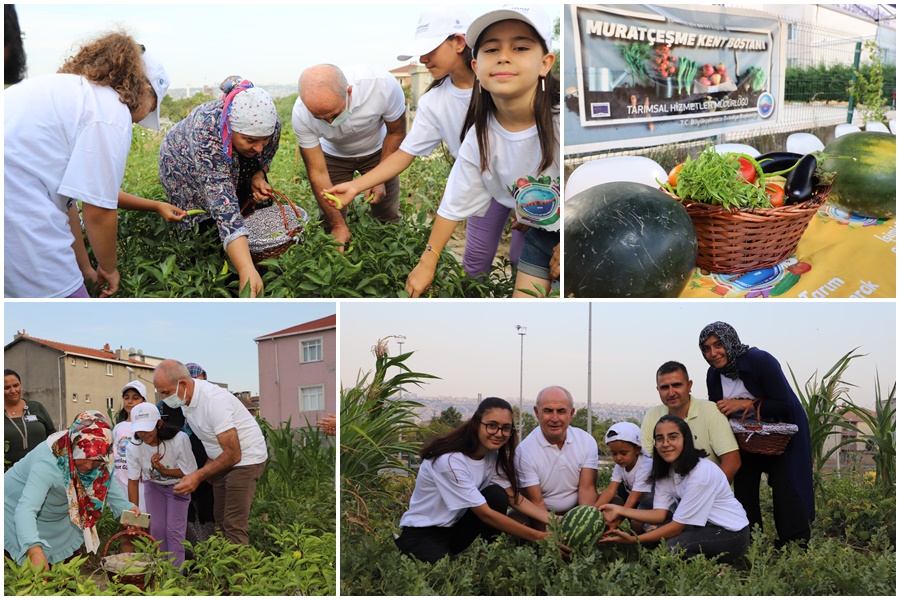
(74, 397)
(72, 361)
(110, 403)
(109, 370)
(311, 350)
(793, 32)
(85, 363)
(87, 397)
(312, 398)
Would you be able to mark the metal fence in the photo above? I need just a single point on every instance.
(820, 62)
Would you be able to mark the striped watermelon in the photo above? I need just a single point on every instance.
(582, 527)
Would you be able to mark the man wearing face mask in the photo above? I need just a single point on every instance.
(348, 121)
(232, 440)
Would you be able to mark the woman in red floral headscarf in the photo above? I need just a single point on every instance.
(54, 496)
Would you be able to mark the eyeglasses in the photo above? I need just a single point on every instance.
(660, 440)
(493, 428)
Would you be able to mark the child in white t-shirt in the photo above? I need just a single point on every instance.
(511, 149)
(66, 139)
(161, 455)
(630, 483)
(440, 45)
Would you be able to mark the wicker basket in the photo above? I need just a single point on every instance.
(748, 240)
(127, 567)
(273, 230)
(758, 437)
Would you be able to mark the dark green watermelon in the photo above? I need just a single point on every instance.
(866, 186)
(582, 527)
(627, 240)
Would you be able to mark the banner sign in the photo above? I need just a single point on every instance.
(647, 70)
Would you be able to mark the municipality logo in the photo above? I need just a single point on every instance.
(765, 105)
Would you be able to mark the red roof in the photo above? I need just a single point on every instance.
(329, 322)
(103, 354)
(405, 69)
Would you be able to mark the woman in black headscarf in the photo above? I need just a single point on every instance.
(738, 377)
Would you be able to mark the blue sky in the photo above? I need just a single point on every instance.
(475, 348)
(217, 335)
(203, 44)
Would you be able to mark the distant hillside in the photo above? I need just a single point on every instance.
(434, 406)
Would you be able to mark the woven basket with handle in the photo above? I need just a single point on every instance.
(741, 241)
(127, 567)
(273, 229)
(758, 437)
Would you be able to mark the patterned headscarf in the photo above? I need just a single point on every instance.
(734, 349)
(89, 437)
(252, 113)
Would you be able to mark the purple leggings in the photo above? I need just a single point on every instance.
(483, 238)
(79, 293)
(168, 518)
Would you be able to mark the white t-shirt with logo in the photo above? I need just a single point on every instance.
(449, 485)
(376, 98)
(556, 470)
(439, 117)
(122, 436)
(214, 410)
(65, 139)
(511, 178)
(176, 454)
(703, 496)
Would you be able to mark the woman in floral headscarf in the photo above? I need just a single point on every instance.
(216, 160)
(739, 377)
(54, 496)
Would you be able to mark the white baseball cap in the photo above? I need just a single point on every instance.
(533, 15)
(144, 417)
(159, 79)
(620, 432)
(137, 386)
(436, 24)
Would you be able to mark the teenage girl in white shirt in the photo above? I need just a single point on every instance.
(465, 484)
(707, 520)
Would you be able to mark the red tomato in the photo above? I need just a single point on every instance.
(776, 194)
(747, 171)
(673, 174)
(522, 183)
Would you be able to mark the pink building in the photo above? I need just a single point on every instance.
(297, 373)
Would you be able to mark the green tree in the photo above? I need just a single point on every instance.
(528, 421)
(451, 417)
(868, 90)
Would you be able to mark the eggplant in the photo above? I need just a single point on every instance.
(778, 161)
(799, 184)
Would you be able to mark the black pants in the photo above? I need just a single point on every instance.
(430, 544)
(712, 541)
(791, 520)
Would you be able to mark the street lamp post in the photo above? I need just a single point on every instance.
(400, 339)
(522, 331)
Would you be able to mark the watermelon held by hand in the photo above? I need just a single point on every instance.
(626, 240)
(582, 527)
(866, 186)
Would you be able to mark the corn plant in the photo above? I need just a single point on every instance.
(882, 436)
(825, 416)
(376, 428)
(296, 452)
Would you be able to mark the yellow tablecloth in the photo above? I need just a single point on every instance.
(840, 255)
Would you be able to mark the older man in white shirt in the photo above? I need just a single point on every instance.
(232, 440)
(347, 121)
(557, 463)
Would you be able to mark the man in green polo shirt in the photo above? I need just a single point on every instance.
(710, 427)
